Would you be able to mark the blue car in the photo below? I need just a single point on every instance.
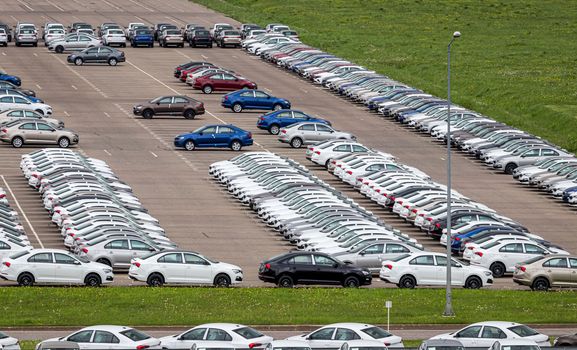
(10, 78)
(219, 135)
(253, 99)
(142, 37)
(275, 120)
(14, 92)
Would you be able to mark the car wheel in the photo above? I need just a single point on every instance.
(540, 284)
(236, 145)
(237, 108)
(17, 142)
(35, 44)
(124, 45)
(222, 280)
(26, 280)
(63, 142)
(276, 107)
(189, 114)
(328, 162)
(351, 282)
(78, 61)
(17, 44)
(296, 142)
(509, 168)
(132, 44)
(92, 280)
(189, 145)
(498, 269)
(155, 280)
(473, 282)
(210, 46)
(112, 61)
(274, 129)
(147, 114)
(207, 89)
(407, 282)
(104, 261)
(285, 282)
(59, 49)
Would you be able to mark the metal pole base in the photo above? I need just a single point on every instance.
(448, 312)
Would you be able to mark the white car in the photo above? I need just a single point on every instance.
(236, 334)
(114, 37)
(3, 37)
(484, 334)
(362, 344)
(501, 257)
(322, 156)
(429, 269)
(334, 335)
(53, 34)
(109, 337)
(10, 246)
(20, 102)
(8, 343)
(183, 267)
(288, 344)
(515, 344)
(53, 266)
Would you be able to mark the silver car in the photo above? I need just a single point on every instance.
(373, 254)
(77, 42)
(310, 133)
(116, 252)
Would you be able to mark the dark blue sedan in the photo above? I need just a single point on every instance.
(221, 135)
(253, 99)
(10, 78)
(275, 120)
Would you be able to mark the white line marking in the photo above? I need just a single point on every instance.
(233, 56)
(74, 87)
(174, 19)
(53, 4)
(180, 53)
(35, 54)
(22, 211)
(203, 56)
(14, 18)
(144, 7)
(66, 114)
(3, 53)
(105, 151)
(140, 19)
(106, 114)
(154, 154)
(306, 92)
(25, 4)
(39, 87)
(81, 77)
(442, 158)
(112, 5)
(268, 90)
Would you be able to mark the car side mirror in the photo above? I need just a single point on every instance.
(151, 249)
(76, 262)
(52, 130)
(362, 253)
(158, 103)
(200, 133)
(335, 265)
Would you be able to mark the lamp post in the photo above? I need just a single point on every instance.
(448, 296)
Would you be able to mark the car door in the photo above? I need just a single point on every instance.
(163, 105)
(118, 251)
(104, 54)
(531, 251)
(322, 338)
(558, 271)
(326, 270)
(91, 55)
(42, 266)
(394, 250)
(490, 335)
(71, 43)
(323, 133)
(28, 132)
(139, 249)
(230, 82)
(218, 82)
(262, 100)
(83, 338)
(308, 133)
(341, 336)
(510, 254)
(284, 118)
(198, 270)
(67, 269)
(106, 340)
(424, 269)
(172, 267)
(302, 267)
(7, 102)
(46, 133)
(177, 106)
(247, 99)
(215, 334)
(223, 136)
(457, 274)
(84, 42)
(371, 256)
(185, 340)
(20, 102)
(206, 137)
(469, 336)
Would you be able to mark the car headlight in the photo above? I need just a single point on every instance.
(237, 270)
(366, 272)
(107, 270)
(488, 273)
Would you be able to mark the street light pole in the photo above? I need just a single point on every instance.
(448, 295)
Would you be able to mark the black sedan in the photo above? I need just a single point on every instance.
(101, 54)
(294, 268)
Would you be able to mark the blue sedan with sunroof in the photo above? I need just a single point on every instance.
(253, 99)
(212, 136)
(275, 120)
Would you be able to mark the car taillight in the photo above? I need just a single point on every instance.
(317, 152)
(479, 253)
(4, 130)
(389, 266)
(414, 211)
(334, 161)
(262, 118)
(7, 263)
(283, 131)
(2, 195)
(71, 234)
(349, 172)
(253, 345)
(36, 176)
(400, 202)
(225, 97)
(365, 183)
(250, 135)
(406, 206)
(522, 268)
(85, 250)
(378, 190)
(429, 219)
(457, 239)
(470, 248)
(137, 264)
(392, 198)
(141, 347)
(437, 225)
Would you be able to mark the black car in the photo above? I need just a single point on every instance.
(293, 268)
(200, 37)
(101, 54)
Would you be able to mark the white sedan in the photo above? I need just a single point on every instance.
(484, 334)
(236, 334)
(114, 37)
(427, 268)
(8, 343)
(183, 267)
(334, 335)
(322, 156)
(109, 337)
(10, 246)
(21, 102)
(53, 266)
(288, 344)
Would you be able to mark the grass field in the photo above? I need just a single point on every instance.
(140, 306)
(515, 61)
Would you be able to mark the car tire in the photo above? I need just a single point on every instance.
(112, 61)
(59, 49)
(296, 142)
(285, 281)
(407, 282)
(540, 284)
(207, 89)
(132, 44)
(498, 269)
(277, 107)
(210, 46)
(63, 142)
(147, 114)
(328, 162)
(473, 282)
(92, 280)
(274, 129)
(237, 108)
(124, 45)
(189, 114)
(222, 280)
(25, 280)
(17, 142)
(104, 261)
(351, 282)
(510, 168)
(78, 61)
(155, 280)
(189, 145)
(17, 44)
(35, 44)
(235, 145)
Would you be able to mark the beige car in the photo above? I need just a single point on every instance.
(544, 272)
(21, 114)
(19, 133)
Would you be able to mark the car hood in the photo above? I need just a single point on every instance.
(228, 266)
(298, 337)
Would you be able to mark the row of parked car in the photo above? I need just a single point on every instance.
(494, 335)
(499, 146)
(12, 235)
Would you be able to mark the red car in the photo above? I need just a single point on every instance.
(222, 82)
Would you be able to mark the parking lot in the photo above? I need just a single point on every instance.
(97, 101)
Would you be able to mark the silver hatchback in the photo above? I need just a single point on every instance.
(310, 133)
(116, 252)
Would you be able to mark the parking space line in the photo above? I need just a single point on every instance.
(203, 56)
(174, 19)
(154, 154)
(22, 211)
(25, 4)
(66, 114)
(81, 77)
(140, 19)
(53, 4)
(3, 53)
(106, 114)
(139, 4)
(105, 151)
(74, 87)
(35, 54)
(112, 5)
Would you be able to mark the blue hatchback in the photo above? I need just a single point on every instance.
(253, 99)
(10, 78)
(220, 135)
(275, 120)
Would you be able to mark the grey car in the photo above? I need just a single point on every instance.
(373, 254)
(101, 54)
(75, 42)
(117, 252)
(310, 133)
(511, 162)
(33, 132)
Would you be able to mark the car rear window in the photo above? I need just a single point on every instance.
(143, 32)
(3, 335)
(19, 255)
(202, 32)
(135, 335)
(173, 32)
(523, 331)
(491, 245)
(248, 333)
(401, 257)
(231, 32)
(376, 332)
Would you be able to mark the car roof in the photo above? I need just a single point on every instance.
(227, 326)
(496, 323)
(111, 328)
(350, 325)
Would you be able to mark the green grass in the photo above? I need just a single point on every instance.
(515, 61)
(140, 306)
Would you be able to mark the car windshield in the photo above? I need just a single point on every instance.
(376, 332)
(248, 333)
(523, 331)
(135, 335)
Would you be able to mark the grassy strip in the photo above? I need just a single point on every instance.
(515, 61)
(141, 306)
